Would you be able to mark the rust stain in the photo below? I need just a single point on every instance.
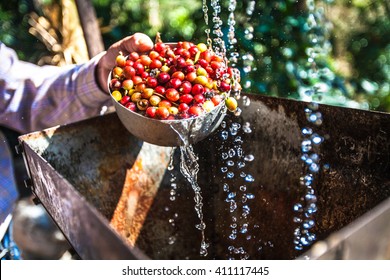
(134, 204)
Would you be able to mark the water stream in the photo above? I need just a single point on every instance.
(234, 159)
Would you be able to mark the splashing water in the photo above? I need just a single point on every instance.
(238, 198)
(304, 213)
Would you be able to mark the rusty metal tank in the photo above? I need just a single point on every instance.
(111, 194)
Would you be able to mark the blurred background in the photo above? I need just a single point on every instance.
(272, 40)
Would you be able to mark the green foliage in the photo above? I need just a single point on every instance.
(352, 55)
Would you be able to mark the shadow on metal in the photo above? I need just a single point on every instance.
(110, 193)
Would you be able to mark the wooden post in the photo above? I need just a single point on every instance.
(89, 24)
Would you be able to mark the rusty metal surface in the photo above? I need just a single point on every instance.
(103, 185)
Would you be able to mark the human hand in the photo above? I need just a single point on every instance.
(138, 42)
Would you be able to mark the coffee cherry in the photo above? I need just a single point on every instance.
(160, 90)
(193, 50)
(131, 106)
(117, 72)
(165, 103)
(159, 47)
(225, 87)
(173, 110)
(216, 99)
(162, 113)
(139, 68)
(147, 93)
(179, 75)
(143, 104)
(186, 98)
(127, 84)
(199, 98)
(185, 87)
(137, 80)
(151, 82)
(136, 96)
(117, 95)
(173, 82)
(151, 112)
(231, 104)
(155, 64)
(197, 89)
(129, 72)
(183, 107)
(172, 94)
(120, 60)
(201, 47)
(125, 99)
(154, 100)
(208, 105)
(163, 78)
(195, 111)
(134, 56)
(115, 84)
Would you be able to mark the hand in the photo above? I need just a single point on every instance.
(136, 43)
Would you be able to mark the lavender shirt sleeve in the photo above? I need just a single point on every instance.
(36, 97)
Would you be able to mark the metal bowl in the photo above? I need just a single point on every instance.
(170, 133)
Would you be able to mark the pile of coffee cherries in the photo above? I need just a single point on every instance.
(177, 81)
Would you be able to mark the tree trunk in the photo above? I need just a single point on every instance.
(90, 26)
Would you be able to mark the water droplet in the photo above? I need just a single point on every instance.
(249, 178)
(310, 198)
(171, 240)
(224, 135)
(306, 145)
(231, 195)
(243, 174)
(244, 228)
(298, 207)
(308, 224)
(247, 127)
(314, 167)
(246, 101)
(200, 226)
(307, 131)
(225, 155)
(233, 206)
(230, 175)
(238, 140)
(232, 153)
(316, 139)
(297, 220)
(243, 188)
(225, 187)
(250, 196)
(232, 236)
(230, 163)
(224, 169)
(241, 164)
(249, 157)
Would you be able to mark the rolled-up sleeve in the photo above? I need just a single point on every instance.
(36, 97)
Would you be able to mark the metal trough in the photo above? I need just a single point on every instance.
(111, 196)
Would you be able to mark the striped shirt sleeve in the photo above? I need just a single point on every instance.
(36, 97)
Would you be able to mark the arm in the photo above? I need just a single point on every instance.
(33, 97)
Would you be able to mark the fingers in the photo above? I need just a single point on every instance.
(136, 43)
